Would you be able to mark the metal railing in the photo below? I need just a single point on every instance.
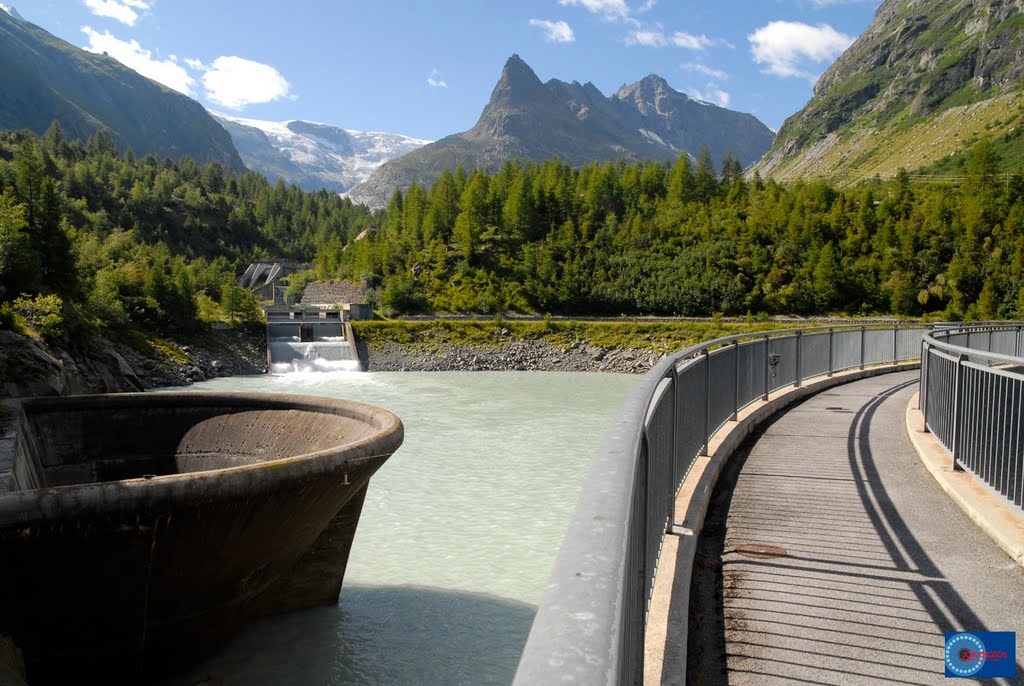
(590, 625)
(972, 390)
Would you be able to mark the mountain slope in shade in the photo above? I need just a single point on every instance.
(311, 155)
(43, 79)
(534, 121)
(925, 81)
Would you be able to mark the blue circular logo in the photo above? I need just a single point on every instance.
(965, 654)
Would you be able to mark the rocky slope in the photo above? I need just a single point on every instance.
(43, 79)
(533, 121)
(926, 80)
(30, 368)
(311, 155)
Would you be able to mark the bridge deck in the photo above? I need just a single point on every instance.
(840, 560)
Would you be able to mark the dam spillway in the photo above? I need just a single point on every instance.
(326, 354)
(299, 344)
(141, 531)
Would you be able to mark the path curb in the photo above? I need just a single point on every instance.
(986, 508)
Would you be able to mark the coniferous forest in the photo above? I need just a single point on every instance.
(692, 240)
(91, 239)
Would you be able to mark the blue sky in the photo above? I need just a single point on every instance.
(426, 69)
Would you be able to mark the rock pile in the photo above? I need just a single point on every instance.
(516, 355)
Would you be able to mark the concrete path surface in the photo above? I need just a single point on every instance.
(840, 560)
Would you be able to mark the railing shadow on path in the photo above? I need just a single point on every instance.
(852, 582)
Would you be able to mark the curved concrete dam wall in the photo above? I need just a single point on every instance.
(143, 529)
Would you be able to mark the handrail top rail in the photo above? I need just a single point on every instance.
(931, 341)
(699, 348)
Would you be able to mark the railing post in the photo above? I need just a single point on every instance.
(922, 395)
(676, 410)
(895, 342)
(1016, 342)
(736, 381)
(767, 364)
(799, 366)
(957, 402)
(707, 401)
(863, 337)
(830, 346)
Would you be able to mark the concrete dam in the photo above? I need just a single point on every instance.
(139, 531)
(299, 341)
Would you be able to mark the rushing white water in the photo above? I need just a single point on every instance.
(457, 536)
(328, 354)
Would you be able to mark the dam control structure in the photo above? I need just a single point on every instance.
(310, 339)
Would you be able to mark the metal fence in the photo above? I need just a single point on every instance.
(590, 625)
(972, 390)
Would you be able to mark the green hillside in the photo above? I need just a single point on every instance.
(924, 83)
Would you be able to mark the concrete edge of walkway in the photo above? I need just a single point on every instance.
(986, 508)
(664, 664)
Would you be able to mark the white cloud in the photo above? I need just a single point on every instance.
(196, 65)
(705, 70)
(786, 47)
(690, 41)
(434, 80)
(554, 31)
(120, 10)
(235, 82)
(649, 38)
(712, 94)
(609, 9)
(132, 55)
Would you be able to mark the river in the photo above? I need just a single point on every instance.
(457, 536)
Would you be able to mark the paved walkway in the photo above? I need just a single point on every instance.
(842, 561)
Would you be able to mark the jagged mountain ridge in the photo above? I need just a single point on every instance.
(313, 155)
(533, 121)
(925, 80)
(43, 78)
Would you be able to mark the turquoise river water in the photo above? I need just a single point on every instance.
(457, 536)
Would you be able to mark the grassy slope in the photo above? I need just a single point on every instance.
(661, 337)
(869, 110)
(864, 151)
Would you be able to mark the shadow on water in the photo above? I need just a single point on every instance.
(377, 635)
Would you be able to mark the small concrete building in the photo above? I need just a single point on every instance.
(344, 296)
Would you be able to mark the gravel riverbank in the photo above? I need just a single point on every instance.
(516, 355)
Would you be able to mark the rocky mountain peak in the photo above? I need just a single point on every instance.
(647, 88)
(650, 96)
(530, 120)
(517, 74)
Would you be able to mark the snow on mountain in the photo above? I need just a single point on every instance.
(312, 155)
(11, 11)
